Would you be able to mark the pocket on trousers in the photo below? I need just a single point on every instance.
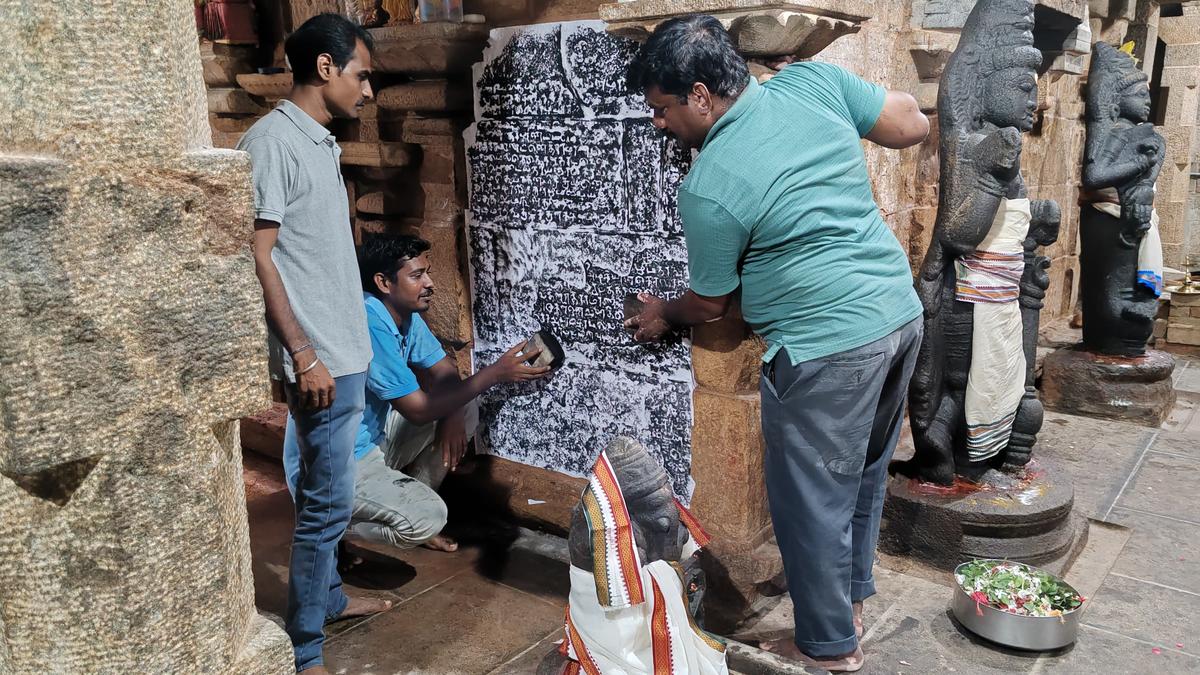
(848, 375)
(844, 386)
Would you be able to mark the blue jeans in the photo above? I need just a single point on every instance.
(323, 478)
(831, 425)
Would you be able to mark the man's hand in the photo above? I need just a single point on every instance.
(451, 439)
(316, 386)
(650, 325)
(512, 367)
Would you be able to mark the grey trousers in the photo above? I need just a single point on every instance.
(831, 426)
(395, 487)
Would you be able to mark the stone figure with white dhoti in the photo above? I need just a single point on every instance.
(972, 402)
(634, 584)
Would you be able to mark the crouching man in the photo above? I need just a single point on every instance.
(419, 412)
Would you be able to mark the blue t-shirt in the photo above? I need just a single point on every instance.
(395, 352)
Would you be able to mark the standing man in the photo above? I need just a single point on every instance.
(778, 208)
(319, 346)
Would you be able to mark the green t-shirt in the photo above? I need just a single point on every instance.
(779, 203)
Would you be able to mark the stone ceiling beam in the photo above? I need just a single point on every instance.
(760, 28)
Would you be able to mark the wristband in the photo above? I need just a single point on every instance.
(304, 347)
(309, 367)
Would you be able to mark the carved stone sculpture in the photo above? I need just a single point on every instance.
(651, 503)
(983, 239)
(1111, 375)
(1121, 163)
(635, 585)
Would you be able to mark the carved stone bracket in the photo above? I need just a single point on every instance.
(929, 60)
(760, 28)
(1071, 55)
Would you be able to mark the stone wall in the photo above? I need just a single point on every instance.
(132, 342)
(1179, 96)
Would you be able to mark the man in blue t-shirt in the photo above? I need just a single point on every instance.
(419, 411)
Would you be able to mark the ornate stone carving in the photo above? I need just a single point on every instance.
(759, 28)
(1121, 163)
(987, 98)
(647, 488)
(658, 534)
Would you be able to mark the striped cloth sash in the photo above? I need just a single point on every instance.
(989, 276)
(615, 558)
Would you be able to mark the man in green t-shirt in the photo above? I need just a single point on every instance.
(778, 209)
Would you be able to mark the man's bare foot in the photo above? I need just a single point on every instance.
(362, 607)
(315, 670)
(847, 663)
(858, 626)
(441, 542)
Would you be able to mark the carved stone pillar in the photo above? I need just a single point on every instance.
(133, 341)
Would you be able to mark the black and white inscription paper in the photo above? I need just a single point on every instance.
(572, 206)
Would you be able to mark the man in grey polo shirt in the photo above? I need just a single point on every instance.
(319, 345)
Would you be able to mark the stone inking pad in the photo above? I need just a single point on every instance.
(1018, 514)
(1130, 389)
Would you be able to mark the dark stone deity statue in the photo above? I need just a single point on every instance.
(657, 531)
(981, 283)
(1121, 162)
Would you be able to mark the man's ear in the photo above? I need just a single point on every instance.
(325, 67)
(701, 97)
(382, 282)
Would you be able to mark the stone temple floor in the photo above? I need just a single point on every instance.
(495, 607)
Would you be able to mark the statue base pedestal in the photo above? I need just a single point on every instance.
(1017, 514)
(1129, 389)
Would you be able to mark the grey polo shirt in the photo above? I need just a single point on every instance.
(298, 184)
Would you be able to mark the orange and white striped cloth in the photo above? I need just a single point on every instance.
(626, 618)
(614, 551)
(990, 279)
(656, 637)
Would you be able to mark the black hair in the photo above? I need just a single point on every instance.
(331, 34)
(686, 50)
(386, 254)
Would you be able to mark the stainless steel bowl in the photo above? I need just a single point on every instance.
(1036, 633)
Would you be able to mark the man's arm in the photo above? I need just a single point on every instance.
(450, 438)
(317, 389)
(423, 407)
(441, 374)
(659, 316)
(901, 123)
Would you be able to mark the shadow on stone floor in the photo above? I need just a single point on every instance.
(471, 611)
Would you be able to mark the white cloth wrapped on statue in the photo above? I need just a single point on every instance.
(657, 636)
(626, 618)
(1150, 255)
(990, 279)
